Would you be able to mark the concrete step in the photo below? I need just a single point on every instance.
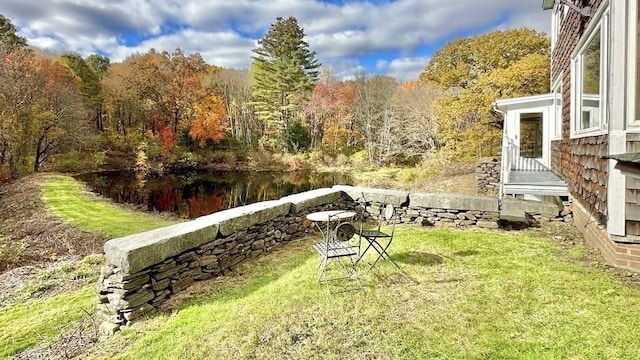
(513, 215)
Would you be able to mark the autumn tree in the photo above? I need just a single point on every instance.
(463, 61)
(208, 122)
(57, 116)
(234, 87)
(372, 110)
(41, 110)
(284, 71)
(152, 97)
(410, 129)
(329, 114)
(90, 84)
(474, 73)
(14, 55)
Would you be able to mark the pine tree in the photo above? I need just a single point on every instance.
(284, 71)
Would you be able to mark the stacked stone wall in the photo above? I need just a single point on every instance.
(488, 177)
(144, 270)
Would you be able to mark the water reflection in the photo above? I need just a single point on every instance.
(197, 194)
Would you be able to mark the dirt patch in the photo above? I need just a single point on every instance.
(30, 235)
(458, 184)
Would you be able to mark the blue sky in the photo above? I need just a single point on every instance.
(389, 37)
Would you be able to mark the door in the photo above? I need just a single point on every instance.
(532, 139)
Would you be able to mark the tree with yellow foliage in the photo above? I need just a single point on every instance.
(474, 73)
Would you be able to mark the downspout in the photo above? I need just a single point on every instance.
(502, 151)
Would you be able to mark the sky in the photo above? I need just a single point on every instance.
(387, 37)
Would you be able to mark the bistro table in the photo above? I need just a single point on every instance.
(335, 245)
(321, 217)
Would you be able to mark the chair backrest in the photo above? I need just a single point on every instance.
(343, 232)
(389, 212)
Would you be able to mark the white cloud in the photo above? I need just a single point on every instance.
(226, 49)
(407, 68)
(224, 32)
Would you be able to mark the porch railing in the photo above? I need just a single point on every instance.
(512, 161)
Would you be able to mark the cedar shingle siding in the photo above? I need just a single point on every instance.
(632, 193)
(579, 161)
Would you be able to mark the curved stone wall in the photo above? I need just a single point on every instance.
(144, 270)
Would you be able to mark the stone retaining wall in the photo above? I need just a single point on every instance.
(144, 270)
(488, 176)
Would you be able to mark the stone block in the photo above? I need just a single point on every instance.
(159, 285)
(382, 196)
(138, 312)
(488, 224)
(259, 244)
(135, 252)
(131, 301)
(547, 209)
(236, 219)
(448, 216)
(108, 328)
(135, 283)
(311, 199)
(453, 201)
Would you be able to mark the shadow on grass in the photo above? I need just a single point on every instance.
(251, 276)
(466, 253)
(418, 258)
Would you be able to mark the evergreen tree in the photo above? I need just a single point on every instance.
(284, 71)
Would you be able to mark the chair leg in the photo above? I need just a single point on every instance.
(385, 255)
(361, 254)
(321, 269)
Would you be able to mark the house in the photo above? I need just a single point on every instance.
(583, 139)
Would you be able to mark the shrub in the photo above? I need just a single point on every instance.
(294, 161)
(76, 161)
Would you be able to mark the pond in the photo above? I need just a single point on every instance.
(195, 194)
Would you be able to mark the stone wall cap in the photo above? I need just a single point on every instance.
(242, 217)
(135, 252)
(454, 202)
(386, 196)
(312, 198)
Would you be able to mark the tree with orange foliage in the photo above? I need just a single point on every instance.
(329, 113)
(208, 123)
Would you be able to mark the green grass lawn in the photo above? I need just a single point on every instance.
(462, 295)
(41, 320)
(30, 323)
(67, 198)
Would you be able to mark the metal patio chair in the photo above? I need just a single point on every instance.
(340, 247)
(380, 237)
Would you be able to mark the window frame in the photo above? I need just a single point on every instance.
(557, 91)
(633, 115)
(556, 23)
(599, 24)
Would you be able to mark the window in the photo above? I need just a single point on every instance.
(589, 89)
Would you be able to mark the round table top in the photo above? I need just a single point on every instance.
(331, 215)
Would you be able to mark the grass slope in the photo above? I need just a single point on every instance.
(68, 199)
(463, 295)
(39, 321)
(28, 324)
